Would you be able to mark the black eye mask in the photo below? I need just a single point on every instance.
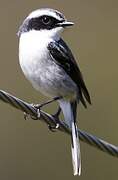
(43, 22)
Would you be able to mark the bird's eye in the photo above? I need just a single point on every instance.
(46, 20)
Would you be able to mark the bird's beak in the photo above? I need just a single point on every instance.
(65, 24)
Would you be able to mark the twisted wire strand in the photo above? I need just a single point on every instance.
(50, 120)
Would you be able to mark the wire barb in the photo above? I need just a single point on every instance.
(51, 121)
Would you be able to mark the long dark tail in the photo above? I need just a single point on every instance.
(69, 111)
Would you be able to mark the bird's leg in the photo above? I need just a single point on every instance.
(39, 106)
(56, 116)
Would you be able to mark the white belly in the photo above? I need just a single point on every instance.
(41, 71)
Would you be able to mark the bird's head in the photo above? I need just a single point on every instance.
(46, 21)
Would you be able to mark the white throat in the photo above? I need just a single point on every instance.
(35, 41)
(43, 34)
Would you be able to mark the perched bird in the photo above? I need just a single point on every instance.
(49, 65)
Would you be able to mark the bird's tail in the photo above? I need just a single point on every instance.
(69, 111)
(75, 147)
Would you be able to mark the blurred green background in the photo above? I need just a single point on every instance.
(27, 149)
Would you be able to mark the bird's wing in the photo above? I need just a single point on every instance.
(63, 57)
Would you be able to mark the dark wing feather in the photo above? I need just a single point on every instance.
(63, 57)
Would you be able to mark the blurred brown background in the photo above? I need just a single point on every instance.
(27, 149)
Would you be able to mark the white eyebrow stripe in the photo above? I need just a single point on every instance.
(48, 12)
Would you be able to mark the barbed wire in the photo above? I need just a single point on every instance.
(52, 122)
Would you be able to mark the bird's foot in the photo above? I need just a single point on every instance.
(26, 116)
(56, 117)
(53, 128)
(39, 106)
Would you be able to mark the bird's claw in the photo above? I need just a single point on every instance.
(56, 117)
(53, 128)
(26, 116)
(38, 107)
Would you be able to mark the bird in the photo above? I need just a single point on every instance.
(48, 63)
